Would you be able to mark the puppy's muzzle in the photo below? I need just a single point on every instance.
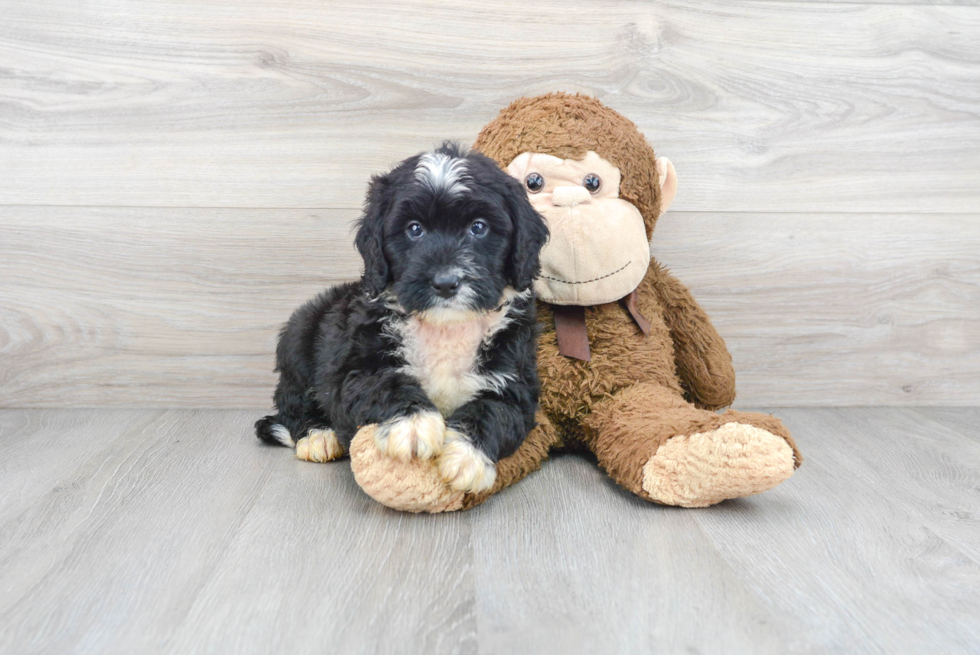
(445, 284)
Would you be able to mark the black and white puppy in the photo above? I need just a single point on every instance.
(437, 342)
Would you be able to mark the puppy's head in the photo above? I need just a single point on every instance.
(447, 232)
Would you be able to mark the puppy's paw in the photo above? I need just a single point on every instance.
(463, 466)
(421, 435)
(319, 446)
(412, 486)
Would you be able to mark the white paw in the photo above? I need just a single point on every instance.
(463, 466)
(420, 434)
(319, 446)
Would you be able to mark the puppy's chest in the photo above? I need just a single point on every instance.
(445, 357)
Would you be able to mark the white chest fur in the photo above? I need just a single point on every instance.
(444, 357)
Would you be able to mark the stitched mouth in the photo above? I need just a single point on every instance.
(595, 279)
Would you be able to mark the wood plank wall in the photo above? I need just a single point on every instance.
(175, 177)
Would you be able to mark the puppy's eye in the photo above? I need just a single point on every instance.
(592, 182)
(534, 182)
(415, 230)
(479, 228)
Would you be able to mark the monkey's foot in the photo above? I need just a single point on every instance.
(731, 461)
(409, 486)
(319, 446)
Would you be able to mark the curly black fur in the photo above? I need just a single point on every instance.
(339, 360)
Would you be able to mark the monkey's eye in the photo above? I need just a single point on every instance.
(534, 182)
(592, 182)
(415, 230)
(479, 229)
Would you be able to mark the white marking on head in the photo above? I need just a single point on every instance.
(440, 172)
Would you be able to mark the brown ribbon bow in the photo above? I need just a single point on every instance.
(573, 340)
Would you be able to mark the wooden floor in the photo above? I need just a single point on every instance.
(136, 531)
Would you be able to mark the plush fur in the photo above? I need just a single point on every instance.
(568, 126)
(435, 345)
(639, 391)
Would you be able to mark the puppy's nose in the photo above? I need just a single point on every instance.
(569, 196)
(446, 284)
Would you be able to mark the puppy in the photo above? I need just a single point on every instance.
(436, 344)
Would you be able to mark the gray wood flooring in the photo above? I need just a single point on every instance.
(143, 531)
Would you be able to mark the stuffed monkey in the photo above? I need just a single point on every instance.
(630, 365)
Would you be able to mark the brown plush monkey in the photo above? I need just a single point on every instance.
(630, 365)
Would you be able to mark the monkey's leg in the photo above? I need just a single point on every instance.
(416, 486)
(654, 443)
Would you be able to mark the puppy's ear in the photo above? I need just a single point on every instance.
(370, 239)
(530, 235)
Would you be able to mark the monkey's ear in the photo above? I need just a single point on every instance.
(530, 235)
(668, 183)
(371, 234)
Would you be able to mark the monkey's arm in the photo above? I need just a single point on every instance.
(703, 362)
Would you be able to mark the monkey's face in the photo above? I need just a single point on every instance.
(598, 251)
